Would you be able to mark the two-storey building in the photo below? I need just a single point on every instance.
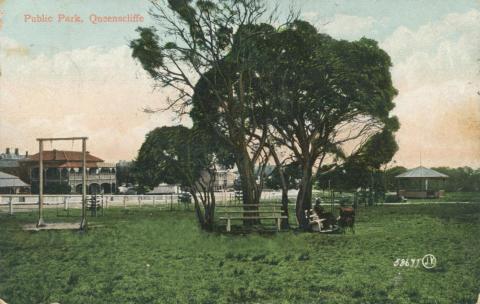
(63, 172)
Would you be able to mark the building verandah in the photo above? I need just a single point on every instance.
(63, 173)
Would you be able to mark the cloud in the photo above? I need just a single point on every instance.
(95, 92)
(100, 92)
(437, 74)
(404, 41)
(9, 47)
(349, 27)
(342, 26)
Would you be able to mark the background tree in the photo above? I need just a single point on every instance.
(124, 176)
(463, 179)
(390, 175)
(363, 170)
(292, 173)
(178, 155)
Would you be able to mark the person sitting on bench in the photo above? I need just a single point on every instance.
(314, 220)
(322, 219)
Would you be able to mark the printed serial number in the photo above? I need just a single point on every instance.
(414, 263)
(428, 261)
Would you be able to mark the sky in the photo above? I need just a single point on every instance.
(76, 79)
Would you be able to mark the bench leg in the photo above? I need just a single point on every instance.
(228, 225)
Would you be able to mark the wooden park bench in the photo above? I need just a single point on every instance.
(236, 212)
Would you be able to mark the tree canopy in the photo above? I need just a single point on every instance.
(204, 57)
(259, 89)
(322, 94)
(183, 156)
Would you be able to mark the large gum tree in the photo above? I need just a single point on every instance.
(325, 97)
(204, 48)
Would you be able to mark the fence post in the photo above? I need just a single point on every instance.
(139, 201)
(124, 202)
(154, 201)
(65, 203)
(10, 205)
(171, 202)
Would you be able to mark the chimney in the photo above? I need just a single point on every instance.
(16, 151)
(7, 151)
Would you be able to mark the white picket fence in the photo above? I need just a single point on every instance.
(17, 203)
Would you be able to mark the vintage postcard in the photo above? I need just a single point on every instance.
(239, 151)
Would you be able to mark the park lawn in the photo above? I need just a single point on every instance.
(153, 256)
(460, 197)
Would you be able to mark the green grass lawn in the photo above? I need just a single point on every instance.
(457, 197)
(153, 256)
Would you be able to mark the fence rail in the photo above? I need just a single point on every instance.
(27, 202)
(18, 203)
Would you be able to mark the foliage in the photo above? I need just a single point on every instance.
(311, 93)
(322, 94)
(362, 170)
(187, 157)
(461, 179)
(151, 256)
(292, 172)
(391, 173)
(203, 55)
(124, 173)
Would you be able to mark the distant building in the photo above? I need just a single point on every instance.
(421, 182)
(164, 189)
(10, 184)
(63, 172)
(9, 162)
(224, 179)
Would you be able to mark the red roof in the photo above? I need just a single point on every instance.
(64, 158)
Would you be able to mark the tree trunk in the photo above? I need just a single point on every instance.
(284, 223)
(248, 181)
(198, 212)
(210, 212)
(304, 198)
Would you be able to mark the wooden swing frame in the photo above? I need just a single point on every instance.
(41, 222)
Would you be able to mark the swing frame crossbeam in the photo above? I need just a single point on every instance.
(41, 222)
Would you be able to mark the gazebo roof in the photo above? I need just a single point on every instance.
(421, 172)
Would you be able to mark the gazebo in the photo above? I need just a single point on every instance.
(421, 182)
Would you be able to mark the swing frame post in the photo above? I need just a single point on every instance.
(41, 222)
